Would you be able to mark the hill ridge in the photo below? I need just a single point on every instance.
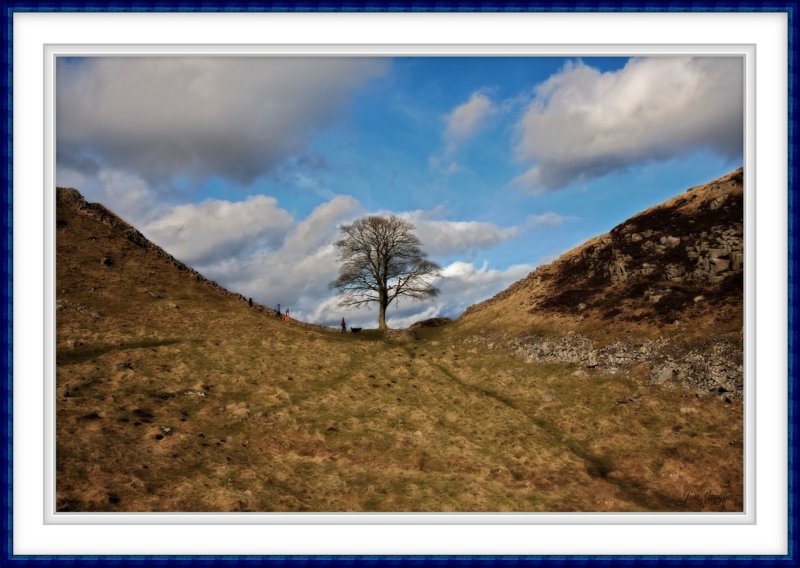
(71, 197)
(680, 259)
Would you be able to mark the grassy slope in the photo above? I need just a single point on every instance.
(273, 416)
(547, 300)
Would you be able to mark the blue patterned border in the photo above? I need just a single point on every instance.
(11, 7)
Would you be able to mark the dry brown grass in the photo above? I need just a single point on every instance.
(213, 406)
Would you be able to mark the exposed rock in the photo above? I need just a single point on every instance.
(630, 400)
(715, 367)
(689, 246)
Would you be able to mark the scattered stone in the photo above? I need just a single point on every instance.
(195, 393)
(630, 400)
(107, 261)
(166, 430)
(708, 369)
(664, 375)
(548, 398)
(720, 264)
(698, 299)
(687, 410)
(718, 202)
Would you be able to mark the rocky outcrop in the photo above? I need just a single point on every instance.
(674, 270)
(713, 370)
(681, 259)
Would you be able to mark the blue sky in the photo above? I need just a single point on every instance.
(245, 167)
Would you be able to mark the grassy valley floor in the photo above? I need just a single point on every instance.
(254, 414)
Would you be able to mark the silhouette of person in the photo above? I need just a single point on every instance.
(250, 302)
(278, 311)
(286, 317)
(344, 326)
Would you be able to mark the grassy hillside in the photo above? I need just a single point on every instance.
(674, 269)
(174, 395)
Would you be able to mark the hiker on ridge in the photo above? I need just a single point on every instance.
(344, 326)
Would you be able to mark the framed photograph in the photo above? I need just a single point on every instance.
(400, 283)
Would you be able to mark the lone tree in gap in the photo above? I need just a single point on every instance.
(381, 261)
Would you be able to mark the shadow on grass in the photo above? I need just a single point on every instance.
(89, 352)
(598, 467)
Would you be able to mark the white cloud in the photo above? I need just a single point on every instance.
(198, 116)
(130, 196)
(464, 284)
(133, 198)
(257, 249)
(464, 121)
(584, 123)
(295, 274)
(214, 229)
(443, 238)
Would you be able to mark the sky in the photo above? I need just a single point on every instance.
(245, 168)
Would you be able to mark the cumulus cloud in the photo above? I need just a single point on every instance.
(462, 123)
(297, 272)
(583, 123)
(199, 233)
(259, 250)
(466, 118)
(442, 238)
(196, 117)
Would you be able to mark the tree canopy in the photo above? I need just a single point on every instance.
(381, 260)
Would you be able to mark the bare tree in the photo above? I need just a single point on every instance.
(381, 261)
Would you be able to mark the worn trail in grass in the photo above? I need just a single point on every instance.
(259, 415)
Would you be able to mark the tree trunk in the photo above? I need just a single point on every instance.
(383, 301)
